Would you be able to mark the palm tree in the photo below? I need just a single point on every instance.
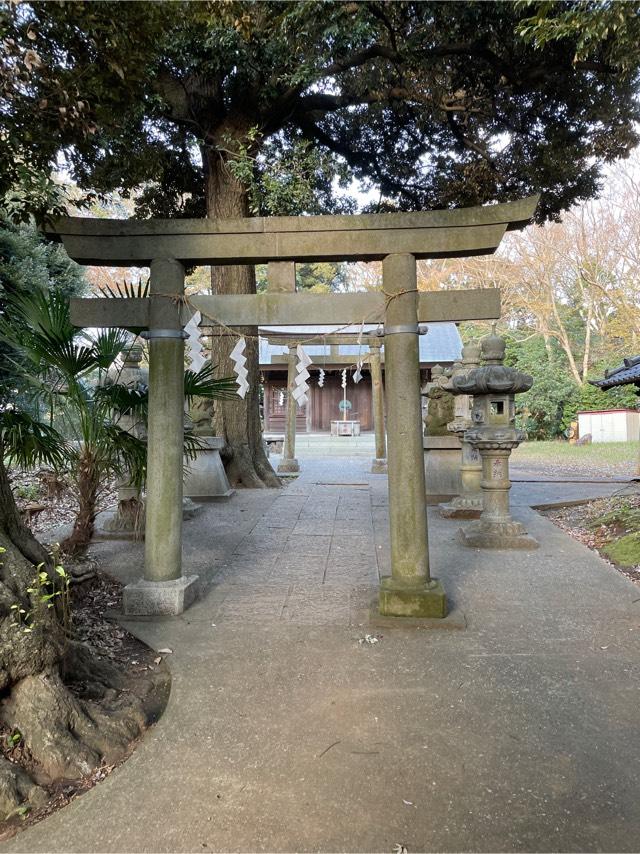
(65, 370)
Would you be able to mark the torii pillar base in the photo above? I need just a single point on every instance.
(378, 466)
(403, 600)
(160, 598)
(288, 466)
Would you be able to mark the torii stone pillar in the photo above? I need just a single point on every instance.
(164, 590)
(379, 464)
(289, 464)
(409, 591)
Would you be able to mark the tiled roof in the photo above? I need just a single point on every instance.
(627, 373)
(441, 344)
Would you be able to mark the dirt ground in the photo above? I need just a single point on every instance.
(600, 523)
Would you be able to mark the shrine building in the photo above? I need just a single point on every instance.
(440, 346)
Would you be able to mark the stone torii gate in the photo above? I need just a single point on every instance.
(398, 240)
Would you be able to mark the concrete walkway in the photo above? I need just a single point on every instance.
(285, 733)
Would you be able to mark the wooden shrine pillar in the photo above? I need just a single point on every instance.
(409, 591)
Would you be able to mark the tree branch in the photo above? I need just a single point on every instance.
(363, 160)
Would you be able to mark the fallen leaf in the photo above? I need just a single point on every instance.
(165, 651)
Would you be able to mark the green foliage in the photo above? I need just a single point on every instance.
(554, 400)
(542, 410)
(203, 383)
(28, 265)
(287, 178)
(45, 593)
(604, 30)
(319, 278)
(625, 551)
(27, 442)
(28, 492)
(55, 360)
(66, 369)
(433, 104)
(591, 398)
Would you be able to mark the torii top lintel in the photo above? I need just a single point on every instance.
(363, 237)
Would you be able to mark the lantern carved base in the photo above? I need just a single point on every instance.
(463, 507)
(496, 534)
(402, 600)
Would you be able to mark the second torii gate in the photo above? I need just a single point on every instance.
(167, 246)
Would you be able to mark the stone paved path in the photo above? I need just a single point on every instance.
(285, 733)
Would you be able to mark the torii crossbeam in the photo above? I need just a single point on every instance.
(396, 239)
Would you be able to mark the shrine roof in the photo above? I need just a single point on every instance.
(441, 345)
(628, 373)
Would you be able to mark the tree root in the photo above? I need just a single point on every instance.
(17, 790)
(245, 471)
(68, 737)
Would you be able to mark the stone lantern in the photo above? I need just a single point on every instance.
(467, 505)
(494, 434)
(127, 520)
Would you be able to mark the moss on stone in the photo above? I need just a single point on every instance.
(625, 551)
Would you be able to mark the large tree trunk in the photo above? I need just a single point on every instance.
(237, 421)
(66, 736)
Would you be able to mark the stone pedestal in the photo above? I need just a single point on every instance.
(495, 529)
(160, 598)
(426, 599)
(127, 524)
(467, 505)
(442, 468)
(206, 478)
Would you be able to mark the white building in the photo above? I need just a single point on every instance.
(610, 425)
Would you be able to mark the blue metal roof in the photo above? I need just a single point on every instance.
(441, 344)
(627, 373)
